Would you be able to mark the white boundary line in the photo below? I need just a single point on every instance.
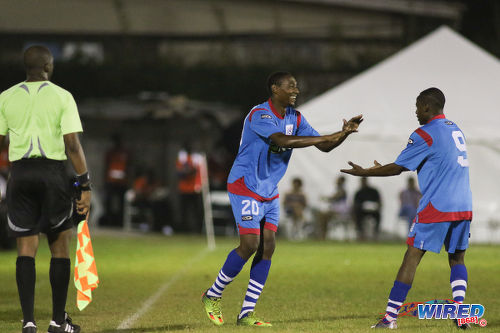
(127, 323)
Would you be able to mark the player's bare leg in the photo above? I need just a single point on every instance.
(60, 269)
(412, 258)
(402, 285)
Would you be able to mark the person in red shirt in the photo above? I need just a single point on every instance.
(116, 182)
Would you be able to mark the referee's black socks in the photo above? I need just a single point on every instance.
(59, 280)
(26, 277)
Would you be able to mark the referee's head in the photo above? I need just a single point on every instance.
(38, 62)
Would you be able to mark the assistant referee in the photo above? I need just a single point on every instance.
(42, 121)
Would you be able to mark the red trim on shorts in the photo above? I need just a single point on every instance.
(424, 135)
(439, 116)
(246, 231)
(253, 111)
(431, 215)
(299, 118)
(270, 226)
(410, 240)
(276, 113)
(240, 188)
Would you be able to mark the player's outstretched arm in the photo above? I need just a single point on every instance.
(337, 138)
(75, 153)
(324, 143)
(377, 170)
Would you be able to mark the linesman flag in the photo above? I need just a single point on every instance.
(86, 278)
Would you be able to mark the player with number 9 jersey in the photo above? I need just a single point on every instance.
(438, 152)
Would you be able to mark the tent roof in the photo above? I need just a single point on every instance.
(385, 94)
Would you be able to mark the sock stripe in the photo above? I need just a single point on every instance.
(250, 287)
(256, 284)
(458, 283)
(252, 295)
(217, 289)
(224, 277)
(396, 303)
(248, 304)
(459, 288)
(220, 284)
(392, 315)
(391, 304)
(459, 293)
(390, 310)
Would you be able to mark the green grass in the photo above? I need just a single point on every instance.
(312, 286)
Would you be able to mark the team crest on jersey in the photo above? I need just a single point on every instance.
(448, 122)
(265, 116)
(289, 129)
(410, 141)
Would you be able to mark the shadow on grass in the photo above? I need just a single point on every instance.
(148, 329)
(326, 318)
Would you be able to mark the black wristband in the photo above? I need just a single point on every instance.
(83, 179)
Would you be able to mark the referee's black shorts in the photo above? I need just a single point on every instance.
(38, 198)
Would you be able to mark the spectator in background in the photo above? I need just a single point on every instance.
(409, 199)
(189, 166)
(338, 209)
(295, 204)
(116, 182)
(150, 199)
(367, 203)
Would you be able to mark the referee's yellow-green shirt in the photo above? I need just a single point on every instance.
(36, 115)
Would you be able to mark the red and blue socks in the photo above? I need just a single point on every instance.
(258, 277)
(396, 299)
(233, 265)
(458, 281)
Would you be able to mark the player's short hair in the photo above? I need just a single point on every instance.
(36, 57)
(434, 97)
(276, 78)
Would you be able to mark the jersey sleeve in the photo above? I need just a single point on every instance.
(70, 120)
(416, 151)
(303, 128)
(3, 121)
(264, 124)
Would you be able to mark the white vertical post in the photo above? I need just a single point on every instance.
(207, 203)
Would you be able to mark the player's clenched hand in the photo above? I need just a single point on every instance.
(352, 125)
(355, 171)
(83, 204)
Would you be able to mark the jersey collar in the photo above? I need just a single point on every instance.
(439, 116)
(276, 113)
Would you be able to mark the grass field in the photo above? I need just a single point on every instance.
(312, 286)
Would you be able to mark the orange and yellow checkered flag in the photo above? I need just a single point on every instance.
(86, 278)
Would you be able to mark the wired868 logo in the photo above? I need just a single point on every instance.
(463, 313)
(445, 309)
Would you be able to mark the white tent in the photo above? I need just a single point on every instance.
(385, 95)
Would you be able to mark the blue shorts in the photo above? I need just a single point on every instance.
(432, 236)
(248, 213)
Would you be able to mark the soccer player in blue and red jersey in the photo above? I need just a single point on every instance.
(437, 151)
(270, 131)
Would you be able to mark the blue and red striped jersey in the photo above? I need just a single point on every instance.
(438, 151)
(260, 164)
